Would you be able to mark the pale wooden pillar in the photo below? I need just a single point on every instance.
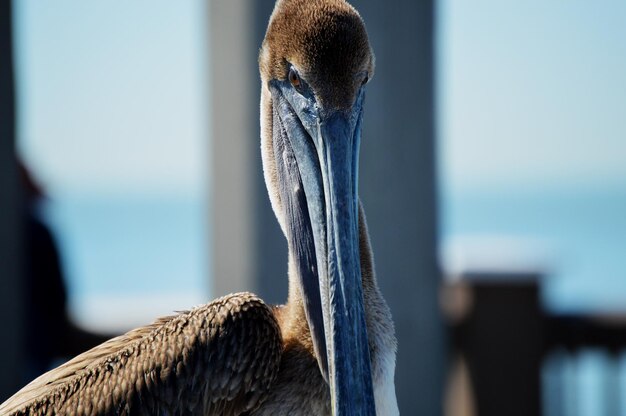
(10, 220)
(248, 251)
(232, 121)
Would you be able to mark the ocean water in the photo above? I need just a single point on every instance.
(576, 238)
(128, 260)
(150, 256)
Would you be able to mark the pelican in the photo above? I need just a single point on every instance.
(331, 348)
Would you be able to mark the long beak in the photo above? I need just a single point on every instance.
(317, 164)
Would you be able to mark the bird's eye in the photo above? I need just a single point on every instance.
(294, 79)
(366, 79)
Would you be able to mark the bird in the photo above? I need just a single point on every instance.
(330, 349)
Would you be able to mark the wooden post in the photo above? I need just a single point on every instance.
(249, 251)
(232, 147)
(501, 337)
(10, 219)
(398, 190)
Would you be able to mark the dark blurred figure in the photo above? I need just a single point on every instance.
(50, 335)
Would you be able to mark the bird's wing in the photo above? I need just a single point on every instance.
(220, 358)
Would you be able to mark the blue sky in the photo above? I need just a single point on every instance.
(532, 93)
(112, 94)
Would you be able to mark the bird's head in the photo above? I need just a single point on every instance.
(315, 62)
(324, 44)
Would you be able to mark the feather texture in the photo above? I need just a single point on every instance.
(216, 359)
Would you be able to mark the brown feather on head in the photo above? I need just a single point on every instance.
(328, 44)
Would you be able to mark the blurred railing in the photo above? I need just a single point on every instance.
(522, 360)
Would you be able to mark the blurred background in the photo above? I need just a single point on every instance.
(493, 172)
(112, 121)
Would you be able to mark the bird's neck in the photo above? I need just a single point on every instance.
(380, 328)
(294, 314)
